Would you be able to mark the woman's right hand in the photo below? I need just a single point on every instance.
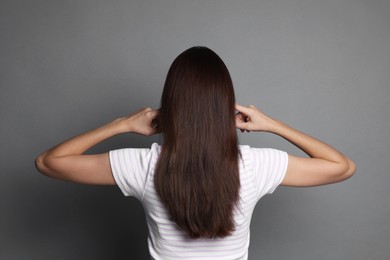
(143, 122)
(252, 119)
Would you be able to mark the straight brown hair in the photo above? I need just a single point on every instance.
(197, 175)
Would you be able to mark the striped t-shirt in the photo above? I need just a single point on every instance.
(261, 171)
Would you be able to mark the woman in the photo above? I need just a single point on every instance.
(200, 187)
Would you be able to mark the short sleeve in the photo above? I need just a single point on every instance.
(130, 168)
(269, 168)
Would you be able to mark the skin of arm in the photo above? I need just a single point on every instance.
(326, 165)
(67, 161)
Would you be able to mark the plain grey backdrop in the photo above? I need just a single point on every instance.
(322, 66)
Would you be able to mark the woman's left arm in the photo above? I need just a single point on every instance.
(67, 161)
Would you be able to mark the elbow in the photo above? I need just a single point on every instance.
(41, 164)
(48, 165)
(349, 169)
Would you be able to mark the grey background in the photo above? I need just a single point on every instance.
(322, 66)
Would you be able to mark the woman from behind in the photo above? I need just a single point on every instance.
(199, 188)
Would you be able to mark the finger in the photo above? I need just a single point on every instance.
(153, 113)
(240, 116)
(239, 108)
(150, 130)
(244, 110)
(241, 125)
(156, 111)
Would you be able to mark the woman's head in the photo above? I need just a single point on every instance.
(198, 96)
(197, 172)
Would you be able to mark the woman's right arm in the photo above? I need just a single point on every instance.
(68, 161)
(326, 165)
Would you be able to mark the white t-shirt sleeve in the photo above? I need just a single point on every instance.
(130, 168)
(269, 168)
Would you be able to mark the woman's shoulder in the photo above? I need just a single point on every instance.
(248, 148)
(264, 153)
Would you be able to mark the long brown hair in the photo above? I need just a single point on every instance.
(197, 174)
